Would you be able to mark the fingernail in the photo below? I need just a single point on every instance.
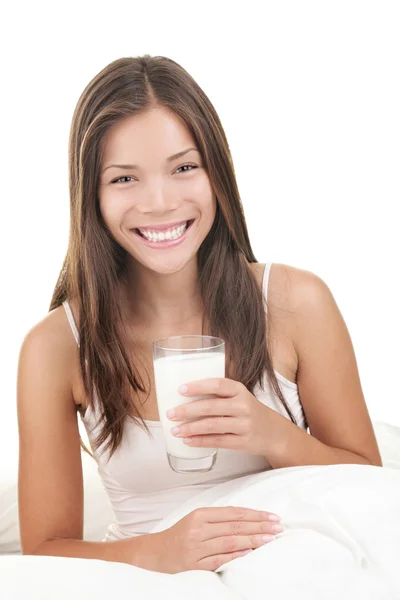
(272, 517)
(267, 538)
(278, 528)
(182, 389)
(170, 413)
(175, 430)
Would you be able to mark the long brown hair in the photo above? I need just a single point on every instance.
(95, 264)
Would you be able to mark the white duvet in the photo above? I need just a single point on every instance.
(342, 540)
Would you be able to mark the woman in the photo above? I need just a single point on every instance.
(159, 246)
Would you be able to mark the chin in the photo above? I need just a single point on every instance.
(164, 265)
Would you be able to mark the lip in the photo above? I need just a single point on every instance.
(168, 243)
(163, 226)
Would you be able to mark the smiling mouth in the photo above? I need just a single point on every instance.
(169, 238)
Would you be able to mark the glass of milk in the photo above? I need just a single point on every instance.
(180, 359)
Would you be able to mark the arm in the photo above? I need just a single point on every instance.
(328, 383)
(50, 485)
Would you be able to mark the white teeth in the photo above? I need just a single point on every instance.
(160, 236)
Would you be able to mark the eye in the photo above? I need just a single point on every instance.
(119, 179)
(187, 165)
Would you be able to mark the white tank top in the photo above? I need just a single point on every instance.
(140, 484)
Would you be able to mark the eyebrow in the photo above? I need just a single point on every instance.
(170, 159)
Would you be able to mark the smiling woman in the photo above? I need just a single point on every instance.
(159, 247)
(140, 196)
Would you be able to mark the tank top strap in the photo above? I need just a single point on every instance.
(267, 269)
(71, 320)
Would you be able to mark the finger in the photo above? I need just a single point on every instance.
(208, 407)
(207, 426)
(235, 528)
(221, 386)
(229, 441)
(221, 514)
(212, 563)
(236, 543)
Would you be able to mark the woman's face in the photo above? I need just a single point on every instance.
(142, 187)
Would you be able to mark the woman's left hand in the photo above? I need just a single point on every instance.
(242, 427)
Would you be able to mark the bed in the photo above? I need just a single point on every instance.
(342, 539)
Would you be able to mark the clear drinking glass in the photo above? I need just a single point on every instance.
(177, 360)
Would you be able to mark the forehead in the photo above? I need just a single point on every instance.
(155, 134)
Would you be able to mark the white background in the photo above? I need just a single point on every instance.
(308, 94)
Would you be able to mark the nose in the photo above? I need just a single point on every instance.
(158, 200)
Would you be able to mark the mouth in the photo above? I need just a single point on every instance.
(165, 240)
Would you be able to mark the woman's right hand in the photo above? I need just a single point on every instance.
(207, 538)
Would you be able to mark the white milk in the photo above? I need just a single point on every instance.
(169, 373)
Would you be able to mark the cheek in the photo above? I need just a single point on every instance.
(108, 211)
(107, 219)
(206, 197)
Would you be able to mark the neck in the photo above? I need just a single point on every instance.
(165, 300)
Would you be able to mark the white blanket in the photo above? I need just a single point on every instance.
(342, 540)
(342, 532)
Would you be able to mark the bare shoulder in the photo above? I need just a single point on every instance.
(51, 341)
(291, 288)
(288, 286)
(295, 297)
(52, 331)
